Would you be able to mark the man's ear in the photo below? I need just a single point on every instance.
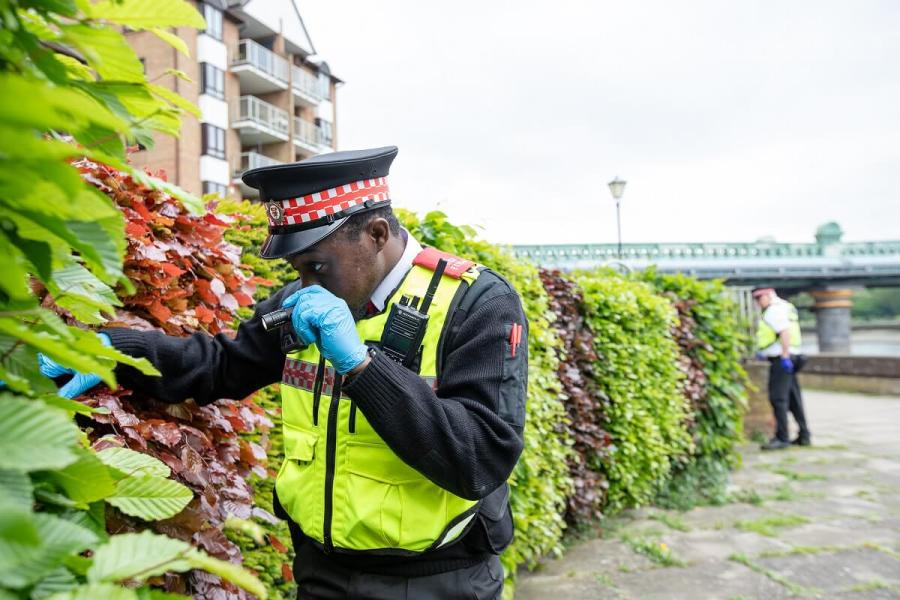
(380, 232)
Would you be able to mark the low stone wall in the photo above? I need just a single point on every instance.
(759, 419)
(861, 374)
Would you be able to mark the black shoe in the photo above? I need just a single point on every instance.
(775, 444)
(802, 441)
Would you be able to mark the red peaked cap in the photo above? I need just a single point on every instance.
(309, 200)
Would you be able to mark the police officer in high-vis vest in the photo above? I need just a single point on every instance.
(403, 380)
(778, 341)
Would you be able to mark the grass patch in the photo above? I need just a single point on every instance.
(658, 552)
(747, 497)
(604, 579)
(671, 521)
(769, 526)
(794, 588)
(797, 550)
(880, 548)
(796, 475)
(759, 437)
(869, 586)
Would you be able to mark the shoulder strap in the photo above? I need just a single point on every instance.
(456, 266)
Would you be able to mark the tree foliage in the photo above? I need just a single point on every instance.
(73, 90)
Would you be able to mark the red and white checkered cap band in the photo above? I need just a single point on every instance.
(296, 211)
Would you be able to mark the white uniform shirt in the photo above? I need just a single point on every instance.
(778, 317)
(393, 279)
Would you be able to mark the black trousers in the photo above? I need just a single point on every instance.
(784, 395)
(321, 579)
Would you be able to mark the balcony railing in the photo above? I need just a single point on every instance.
(260, 57)
(306, 132)
(307, 84)
(262, 114)
(254, 160)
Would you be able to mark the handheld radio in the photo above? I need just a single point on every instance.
(407, 321)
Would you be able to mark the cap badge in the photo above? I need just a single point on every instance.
(275, 212)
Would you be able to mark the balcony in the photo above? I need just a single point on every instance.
(306, 87)
(251, 160)
(306, 136)
(258, 122)
(259, 69)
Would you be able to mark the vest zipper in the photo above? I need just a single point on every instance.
(330, 457)
(317, 389)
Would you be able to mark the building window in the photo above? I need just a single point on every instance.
(213, 18)
(326, 132)
(324, 86)
(212, 80)
(211, 187)
(213, 141)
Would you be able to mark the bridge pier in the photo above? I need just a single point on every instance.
(832, 308)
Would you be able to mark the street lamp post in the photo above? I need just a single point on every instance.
(617, 187)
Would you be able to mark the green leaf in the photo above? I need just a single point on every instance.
(73, 407)
(56, 581)
(133, 464)
(192, 203)
(16, 490)
(138, 14)
(137, 556)
(23, 564)
(179, 74)
(106, 50)
(75, 288)
(19, 367)
(176, 99)
(171, 39)
(93, 519)
(14, 275)
(34, 436)
(65, 352)
(146, 593)
(96, 591)
(51, 107)
(86, 480)
(150, 498)
(229, 571)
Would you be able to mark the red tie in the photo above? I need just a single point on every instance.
(371, 309)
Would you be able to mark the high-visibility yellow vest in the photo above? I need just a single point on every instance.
(340, 482)
(766, 335)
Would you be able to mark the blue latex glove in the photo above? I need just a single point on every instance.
(322, 318)
(787, 364)
(80, 382)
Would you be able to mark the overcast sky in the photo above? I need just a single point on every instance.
(730, 120)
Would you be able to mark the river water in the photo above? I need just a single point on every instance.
(863, 342)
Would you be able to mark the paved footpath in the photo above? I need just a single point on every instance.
(819, 522)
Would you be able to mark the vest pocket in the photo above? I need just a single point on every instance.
(381, 491)
(296, 487)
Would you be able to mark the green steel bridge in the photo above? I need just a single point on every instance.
(829, 269)
(787, 266)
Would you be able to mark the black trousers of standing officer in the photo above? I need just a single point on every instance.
(322, 579)
(784, 395)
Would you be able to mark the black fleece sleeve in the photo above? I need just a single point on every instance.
(455, 435)
(203, 367)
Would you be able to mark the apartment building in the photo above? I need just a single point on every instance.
(265, 96)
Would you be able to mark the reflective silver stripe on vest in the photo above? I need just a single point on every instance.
(301, 374)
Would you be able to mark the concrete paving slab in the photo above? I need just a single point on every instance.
(836, 572)
(847, 486)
